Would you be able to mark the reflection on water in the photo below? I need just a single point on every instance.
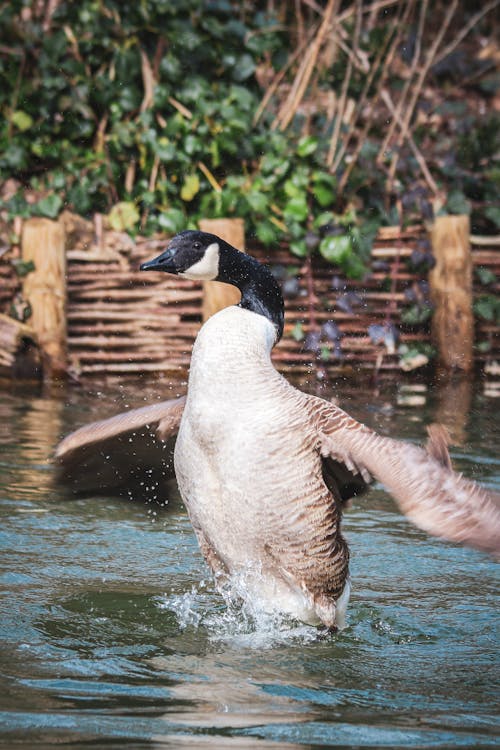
(114, 635)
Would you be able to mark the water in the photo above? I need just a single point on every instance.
(113, 635)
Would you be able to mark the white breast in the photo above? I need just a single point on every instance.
(228, 406)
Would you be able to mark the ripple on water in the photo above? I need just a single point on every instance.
(94, 653)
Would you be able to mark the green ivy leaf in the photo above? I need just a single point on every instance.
(416, 314)
(292, 190)
(266, 232)
(483, 346)
(307, 145)
(23, 267)
(354, 267)
(295, 229)
(296, 208)
(299, 248)
(190, 187)
(325, 178)
(244, 68)
(191, 144)
(323, 194)
(457, 203)
(15, 156)
(165, 149)
(172, 220)
(325, 217)
(21, 120)
(493, 214)
(336, 248)
(124, 215)
(488, 307)
(48, 206)
(364, 236)
(297, 331)
(485, 276)
(257, 201)
(325, 353)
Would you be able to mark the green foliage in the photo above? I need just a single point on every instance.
(298, 331)
(457, 203)
(113, 96)
(22, 267)
(48, 206)
(483, 346)
(480, 141)
(493, 213)
(487, 306)
(145, 112)
(123, 215)
(471, 167)
(336, 248)
(416, 314)
(484, 275)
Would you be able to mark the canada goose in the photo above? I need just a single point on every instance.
(264, 468)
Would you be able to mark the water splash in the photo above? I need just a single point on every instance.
(184, 606)
(242, 619)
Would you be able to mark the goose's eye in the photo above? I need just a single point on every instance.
(197, 245)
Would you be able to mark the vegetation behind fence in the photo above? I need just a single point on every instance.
(315, 122)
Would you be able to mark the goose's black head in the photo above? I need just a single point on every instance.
(200, 255)
(194, 255)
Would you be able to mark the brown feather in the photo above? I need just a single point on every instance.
(437, 444)
(118, 454)
(425, 487)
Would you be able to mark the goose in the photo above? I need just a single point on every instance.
(264, 469)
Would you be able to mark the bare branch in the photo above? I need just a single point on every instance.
(402, 99)
(468, 27)
(417, 88)
(304, 74)
(345, 86)
(406, 133)
(281, 74)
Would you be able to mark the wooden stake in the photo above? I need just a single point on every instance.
(453, 404)
(216, 295)
(43, 243)
(19, 354)
(451, 293)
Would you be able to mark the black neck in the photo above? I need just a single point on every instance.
(259, 289)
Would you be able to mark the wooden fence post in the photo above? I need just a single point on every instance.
(43, 243)
(19, 351)
(451, 293)
(217, 295)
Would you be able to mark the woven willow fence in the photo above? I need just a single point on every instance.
(121, 321)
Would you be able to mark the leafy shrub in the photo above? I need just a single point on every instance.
(145, 112)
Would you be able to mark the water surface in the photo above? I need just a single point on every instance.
(113, 635)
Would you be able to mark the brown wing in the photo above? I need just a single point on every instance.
(427, 490)
(128, 451)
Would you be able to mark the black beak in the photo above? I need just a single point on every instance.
(164, 262)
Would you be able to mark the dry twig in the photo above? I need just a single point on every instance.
(345, 85)
(417, 88)
(281, 74)
(289, 108)
(374, 69)
(402, 99)
(386, 97)
(465, 30)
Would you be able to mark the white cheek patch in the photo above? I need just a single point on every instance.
(207, 267)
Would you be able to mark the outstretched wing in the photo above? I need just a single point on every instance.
(130, 450)
(427, 490)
